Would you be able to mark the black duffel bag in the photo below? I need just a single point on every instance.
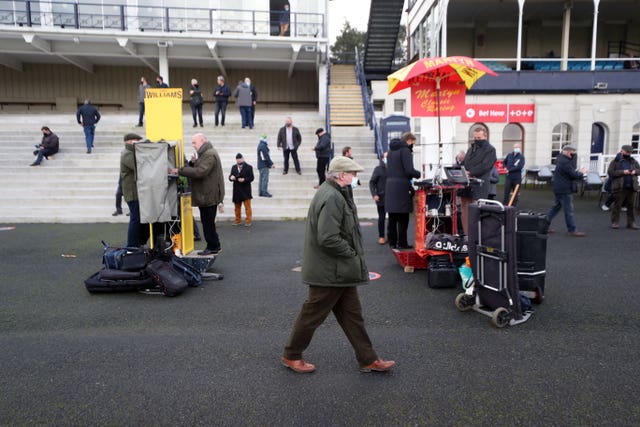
(170, 282)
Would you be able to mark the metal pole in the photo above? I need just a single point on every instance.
(439, 132)
(596, 4)
(519, 49)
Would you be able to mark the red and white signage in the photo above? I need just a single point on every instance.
(499, 113)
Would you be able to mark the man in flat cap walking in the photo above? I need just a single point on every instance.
(333, 266)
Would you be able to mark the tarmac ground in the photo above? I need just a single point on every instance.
(211, 355)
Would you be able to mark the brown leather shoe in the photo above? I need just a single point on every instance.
(378, 366)
(299, 366)
(615, 225)
(576, 234)
(633, 226)
(381, 241)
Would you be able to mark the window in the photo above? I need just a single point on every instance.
(398, 106)
(635, 137)
(378, 105)
(476, 126)
(561, 135)
(511, 134)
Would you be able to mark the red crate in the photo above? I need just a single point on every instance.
(410, 260)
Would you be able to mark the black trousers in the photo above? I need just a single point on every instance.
(321, 169)
(294, 156)
(381, 217)
(625, 197)
(397, 231)
(119, 196)
(345, 304)
(509, 186)
(221, 107)
(196, 110)
(208, 218)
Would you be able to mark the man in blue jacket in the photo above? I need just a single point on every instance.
(221, 93)
(88, 116)
(323, 154)
(513, 163)
(264, 165)
(564, 185)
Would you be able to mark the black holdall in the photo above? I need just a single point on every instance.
(111, 281)
(170, 282)
(127, 259)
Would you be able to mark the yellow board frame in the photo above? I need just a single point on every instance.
(186, 224)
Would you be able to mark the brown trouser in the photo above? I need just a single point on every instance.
(247, 211)
(345, 304)
(625, 197)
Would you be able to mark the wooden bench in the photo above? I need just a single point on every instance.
(100, 104)
(29, 104)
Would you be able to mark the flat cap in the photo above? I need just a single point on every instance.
(344, 164)
(238, 156)
(628, 148)
(569, 148)
(131, 136)
(319, 130)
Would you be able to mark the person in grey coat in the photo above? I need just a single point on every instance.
(243, 99)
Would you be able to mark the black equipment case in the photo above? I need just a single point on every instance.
(531, 239)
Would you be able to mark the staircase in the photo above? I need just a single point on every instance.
(382, 37)
(76, 187)
(345, 97)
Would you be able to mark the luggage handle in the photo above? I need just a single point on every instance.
(490, 202)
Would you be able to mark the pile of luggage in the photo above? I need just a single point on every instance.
(141, 269)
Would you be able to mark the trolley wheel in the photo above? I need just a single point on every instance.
(539, 296)
(500, 317)
(464, 302)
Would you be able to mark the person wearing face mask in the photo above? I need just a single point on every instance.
(623, 171)
(478, 162)
(513, 163)
(377, 186)
(242, 176)
(333, 266)
(565, 178)
(398, 189)
(289, 139)
(195, 100)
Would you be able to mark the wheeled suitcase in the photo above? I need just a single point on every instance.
(111, 281)
(531, 240)
(170, 282)
(492, 252)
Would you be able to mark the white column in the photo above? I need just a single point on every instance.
(443, 47)
(163, 64)
(596, 4)
(519, 48)
(322, 88)
(566, 29)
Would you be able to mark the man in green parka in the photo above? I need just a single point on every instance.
(333, 266)
(137, 234)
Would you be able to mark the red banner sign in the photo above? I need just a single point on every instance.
(499, 113)
(424, 99)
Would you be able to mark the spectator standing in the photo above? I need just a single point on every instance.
(49, 146)
(346, 152)
(478, 162)
(323, 153)
(289, 139)
(207, 188)
(377, 186)
(333, 266)
(564, 185)
(243, 99)
(285, 19)
(160, 83)
(513, 163)
(137, 234)
(264, 166)
(494, 178)
(398, 190)
(88, 116)
(254, 99)
(221, 93)
(195, 100)
(242, 176)
(142, 90)
(624, 171)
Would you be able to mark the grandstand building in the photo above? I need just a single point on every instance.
(55, 53)
(568, 73)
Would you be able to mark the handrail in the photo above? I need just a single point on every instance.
(367, 103)
(106, 16)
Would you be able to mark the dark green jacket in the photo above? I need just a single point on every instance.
(207, 180)
(128, 174)
(333, 252)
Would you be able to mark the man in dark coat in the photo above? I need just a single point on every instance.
(624, 171)
(323, 153)
(478, 162)
(513, 163)
(242, 176)
(564, 185)
(48, 146)
(333, 265)
(160, 83)
(88, 116)
(377, 186)
(399, 191)
(195, 101)
(207, 188)
(264, 165)
(289, 139)
(221, 93)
